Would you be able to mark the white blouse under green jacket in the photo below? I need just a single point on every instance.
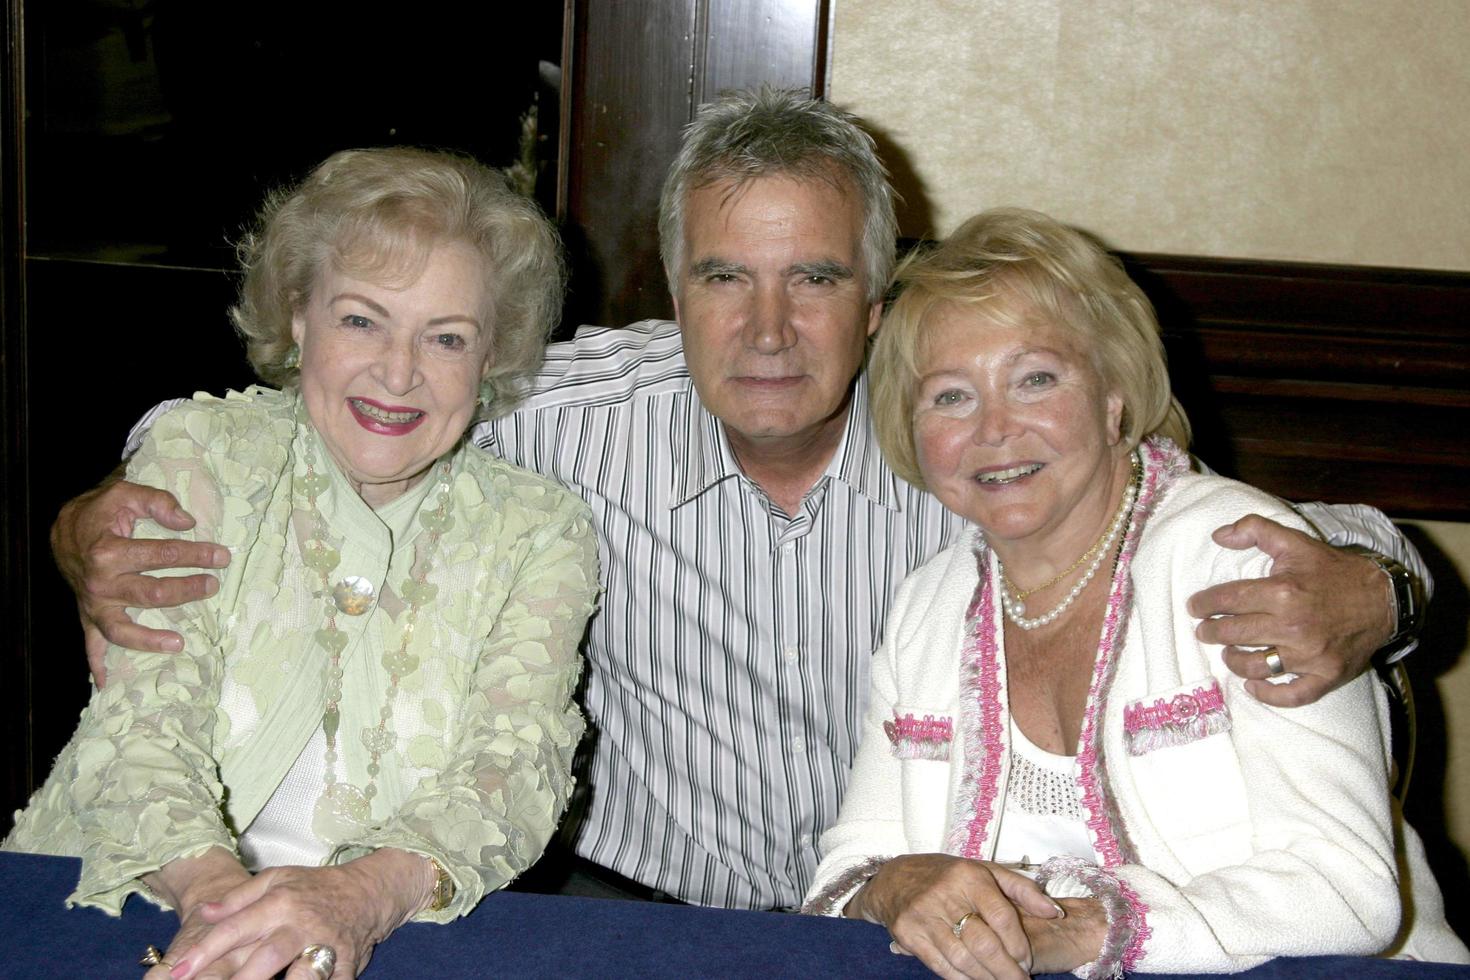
(179, 752)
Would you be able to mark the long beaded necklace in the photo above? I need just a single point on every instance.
(343, 808)
(1014, 604)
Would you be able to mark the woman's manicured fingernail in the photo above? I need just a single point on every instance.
(179, 969)
(1061, 912)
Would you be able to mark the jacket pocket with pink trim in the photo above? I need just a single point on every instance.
(1188, 715)
(926, 736)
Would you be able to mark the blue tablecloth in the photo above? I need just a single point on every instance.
(518, 935)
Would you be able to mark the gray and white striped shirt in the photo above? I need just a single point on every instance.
(729, 660)
(728, 664)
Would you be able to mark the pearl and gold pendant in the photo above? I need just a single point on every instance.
(353, 595)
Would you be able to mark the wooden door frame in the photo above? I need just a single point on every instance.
(16, 702)
(633, 75)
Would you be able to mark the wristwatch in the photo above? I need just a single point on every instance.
(1408, 604)
(443, 888)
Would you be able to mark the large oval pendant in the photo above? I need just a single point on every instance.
(341, 814)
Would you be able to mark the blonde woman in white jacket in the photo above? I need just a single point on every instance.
(1041, 707)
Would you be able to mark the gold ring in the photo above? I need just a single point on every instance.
(321, 959)
(959, 926)
(1273, 662)
(152, 956)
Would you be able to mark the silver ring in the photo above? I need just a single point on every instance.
(959, 926)
(321, 959)
(1273, 663)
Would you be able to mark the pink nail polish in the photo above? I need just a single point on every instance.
(179, 969)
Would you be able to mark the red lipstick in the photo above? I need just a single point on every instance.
(382, 426)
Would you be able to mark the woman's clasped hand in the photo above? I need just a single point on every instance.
(237, 925)
(965, 918)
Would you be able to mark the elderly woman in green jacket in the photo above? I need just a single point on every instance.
(373, 719)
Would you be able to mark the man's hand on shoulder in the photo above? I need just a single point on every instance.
(93, 546)
(1326, 611)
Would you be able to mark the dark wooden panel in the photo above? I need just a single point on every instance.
(629, 83)
(1317, 382)
(751, 41)
(635, 71)
(15, 540)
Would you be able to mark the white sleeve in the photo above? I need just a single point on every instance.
(870, 826)
(1365, 526)
(139, 431)
(1295, 814)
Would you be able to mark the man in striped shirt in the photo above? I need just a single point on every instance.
(751, 535)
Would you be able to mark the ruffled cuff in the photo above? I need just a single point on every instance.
(1127, 915)
(832, 899)
(110, 875)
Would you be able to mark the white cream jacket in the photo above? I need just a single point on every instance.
(1231, 831)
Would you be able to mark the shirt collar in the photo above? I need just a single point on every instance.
(703, 456)
(707, 459)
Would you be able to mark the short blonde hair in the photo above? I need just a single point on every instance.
(377, 214)
(1016, 267)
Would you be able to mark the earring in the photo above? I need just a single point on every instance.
(293, 358)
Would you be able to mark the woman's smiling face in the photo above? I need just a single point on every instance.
(1013, 427)
(391, 373)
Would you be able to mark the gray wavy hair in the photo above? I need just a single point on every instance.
(377, 214)
(780, 132)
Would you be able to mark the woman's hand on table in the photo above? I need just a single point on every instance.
(1062, 944)
(260, 927)
(189, 884)
(921, 897)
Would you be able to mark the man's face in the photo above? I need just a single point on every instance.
(773, 307)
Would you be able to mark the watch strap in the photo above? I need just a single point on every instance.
(1408, 607)
(443, 892)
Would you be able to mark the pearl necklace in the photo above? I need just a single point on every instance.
(1015, 606)
(343, 809)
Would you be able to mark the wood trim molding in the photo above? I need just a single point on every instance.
(634, 72)
(1323, 382)
(15, 507)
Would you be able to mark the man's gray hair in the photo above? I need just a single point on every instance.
(775, 132)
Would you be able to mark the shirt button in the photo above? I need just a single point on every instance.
(798, 744)
(792, 653)
(806, 840)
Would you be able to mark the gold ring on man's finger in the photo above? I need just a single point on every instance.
(959, 926)
(1273, 662)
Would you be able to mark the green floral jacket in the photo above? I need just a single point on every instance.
(179, 752)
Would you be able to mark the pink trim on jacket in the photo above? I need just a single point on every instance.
(981, 715)
(983, 718)
(1184, 718)
(920, 738)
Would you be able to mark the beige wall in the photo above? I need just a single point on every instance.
(1442, 679)
(1318, 130)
